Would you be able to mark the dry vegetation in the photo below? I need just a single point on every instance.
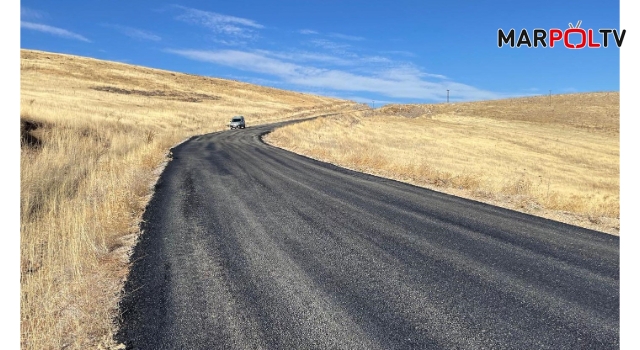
(552, 156)
(94, 136)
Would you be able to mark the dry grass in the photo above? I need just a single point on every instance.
(556, 157)
(94, 134)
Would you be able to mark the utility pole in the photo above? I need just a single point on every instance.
(373, 104)
(447, 95)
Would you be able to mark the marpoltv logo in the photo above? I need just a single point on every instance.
(572, 37)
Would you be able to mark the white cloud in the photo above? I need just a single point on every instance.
(329, 45)
(63, 33)
(346, 37)
(29, 13)
(407, 71)
(307, 31)
(399, 82)
(375, 59)
(248, 61)
(399, 53)
(229, 42)
(438, 76)
(136, 33)
(303, 56)
(219, 23)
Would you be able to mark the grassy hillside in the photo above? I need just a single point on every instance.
(553, 156)
(94, 137)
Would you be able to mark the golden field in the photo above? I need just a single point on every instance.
(553, 156)
(94, 136)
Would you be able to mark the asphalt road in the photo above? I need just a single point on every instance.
(247, 246)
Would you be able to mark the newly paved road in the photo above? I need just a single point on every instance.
(247, 246)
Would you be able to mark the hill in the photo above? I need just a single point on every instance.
(552, 156)
(94, 136)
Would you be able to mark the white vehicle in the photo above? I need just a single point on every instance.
(237, 122)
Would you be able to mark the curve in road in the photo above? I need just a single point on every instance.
(248, 246)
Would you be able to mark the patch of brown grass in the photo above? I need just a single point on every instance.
(598, 111)
(556, 157)
(93, 136)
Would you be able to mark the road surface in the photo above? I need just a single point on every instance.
(247, 246)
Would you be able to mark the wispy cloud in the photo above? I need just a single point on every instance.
(307, 31)
(248, 61)
(399, 82)
(399, 53)
(304, 56)
(346, 37)
(229, 42)
(28, 13)
(63, 33)
(374, 59)
(219, 23)
(329, 45)
(350, 59)
(408, 71)
(135, 33)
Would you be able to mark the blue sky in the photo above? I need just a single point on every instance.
(364, 45)
(387, 51)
